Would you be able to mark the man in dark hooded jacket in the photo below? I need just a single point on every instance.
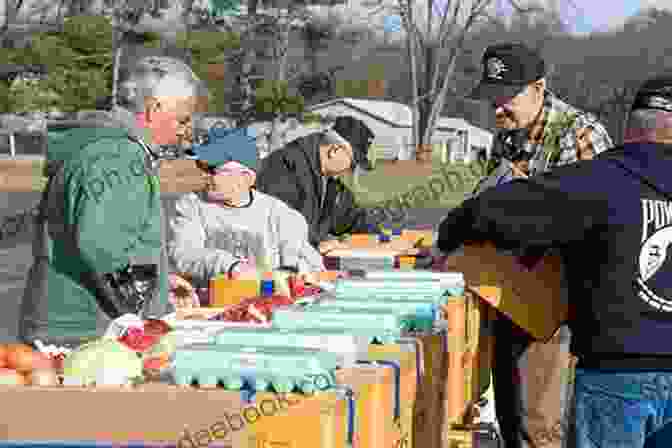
(305, 173)
(610, 219)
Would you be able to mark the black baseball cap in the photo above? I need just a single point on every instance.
(656, 93)
(507, 70)
(358, 135)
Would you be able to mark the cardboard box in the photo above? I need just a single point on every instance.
(375, 390)
(406, 354)
(185, 417)
(533, 298)
(467, 373)
(319, 420)
(225, 292)
(428, 409)
(182, 417)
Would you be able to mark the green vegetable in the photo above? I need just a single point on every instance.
(91, 361)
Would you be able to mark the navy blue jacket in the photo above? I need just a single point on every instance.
(611, 220)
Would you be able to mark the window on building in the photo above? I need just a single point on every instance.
(5, 145)
(30, 144)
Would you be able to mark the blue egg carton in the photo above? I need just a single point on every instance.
(284, 369)
(422, 314)
(401, 289)
(348, 347)
(448, 279)
(383, 326)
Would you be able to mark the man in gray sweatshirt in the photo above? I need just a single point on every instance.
(231, 228)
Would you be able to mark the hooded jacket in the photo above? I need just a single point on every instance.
(611, 220)
(101, 212)
(293, 174)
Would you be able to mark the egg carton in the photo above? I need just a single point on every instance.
(348, 347)
(285, 369)
(425, 313)
(379, 326)
(449, 279)
(399, 288)
(413, 322)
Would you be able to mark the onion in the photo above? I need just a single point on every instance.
(43, 378)
(9, 377)
(20, 357)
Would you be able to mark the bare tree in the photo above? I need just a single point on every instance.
(12, 9)
(126, 15)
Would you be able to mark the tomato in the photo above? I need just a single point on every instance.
(139, 341)
(156, 327)
(20, 357)
(155, 363)
(3, 355)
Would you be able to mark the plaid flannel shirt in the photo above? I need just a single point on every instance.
(599, 136)
(540, 161)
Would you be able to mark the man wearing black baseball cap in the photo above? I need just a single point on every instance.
(529, 379)
(526, 111)
(305, 173)
(609, 218)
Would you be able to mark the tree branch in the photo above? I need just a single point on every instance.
(438, 104)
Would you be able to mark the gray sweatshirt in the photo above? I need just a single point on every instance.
(207, 238)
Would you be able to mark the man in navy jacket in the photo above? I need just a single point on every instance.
(611, 220)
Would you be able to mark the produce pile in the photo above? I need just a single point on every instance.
(259, 310)
(254, 310)
(21, 365)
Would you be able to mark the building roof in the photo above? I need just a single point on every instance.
(390, 112)
(453, 123)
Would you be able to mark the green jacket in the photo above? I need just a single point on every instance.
(103, 211)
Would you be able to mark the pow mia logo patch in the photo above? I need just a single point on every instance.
(655, 257)
(495, 67)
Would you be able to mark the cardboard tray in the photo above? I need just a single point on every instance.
(164, 415)
(534, 299)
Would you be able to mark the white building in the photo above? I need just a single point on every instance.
(392, 124)
(460, 141)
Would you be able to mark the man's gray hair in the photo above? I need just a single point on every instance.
(156, 76)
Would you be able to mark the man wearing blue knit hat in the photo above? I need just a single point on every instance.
(230, 227)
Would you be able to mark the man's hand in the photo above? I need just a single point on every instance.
(584, 144)
(330, 245)
(181, 293)
(406, 247)
(520, 169)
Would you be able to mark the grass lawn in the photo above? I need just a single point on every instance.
(419, 187)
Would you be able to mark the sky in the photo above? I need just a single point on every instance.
(585, 16)
(582, 16)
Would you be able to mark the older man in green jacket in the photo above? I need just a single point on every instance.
(99, 247)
